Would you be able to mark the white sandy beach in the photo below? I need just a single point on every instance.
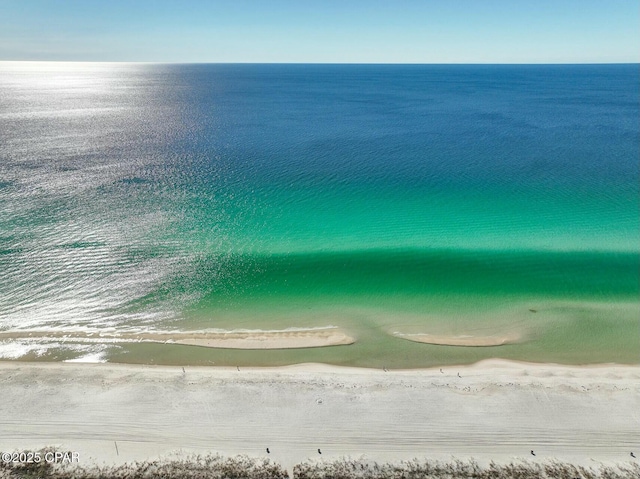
(494, 410)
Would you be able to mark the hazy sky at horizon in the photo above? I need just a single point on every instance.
(346, 31)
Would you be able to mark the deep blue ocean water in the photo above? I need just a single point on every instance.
(376, 198)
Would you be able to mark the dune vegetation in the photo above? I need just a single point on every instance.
(245, 467)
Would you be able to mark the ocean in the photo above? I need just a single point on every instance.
(387, 201)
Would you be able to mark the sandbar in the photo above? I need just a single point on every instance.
(270, 340)
(460, 340)
(249, 339)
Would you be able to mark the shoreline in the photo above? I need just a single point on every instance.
(492, 410)
(484, 364)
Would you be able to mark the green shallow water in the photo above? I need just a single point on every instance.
(561, 304)
(567, 333)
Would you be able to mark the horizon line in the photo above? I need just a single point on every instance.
(314, 63)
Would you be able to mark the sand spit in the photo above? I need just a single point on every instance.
(284, 339)
(461, 340)
(494, 410)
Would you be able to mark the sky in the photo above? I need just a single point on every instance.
(322, 31)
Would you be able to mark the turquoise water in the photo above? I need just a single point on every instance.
(443, 200)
